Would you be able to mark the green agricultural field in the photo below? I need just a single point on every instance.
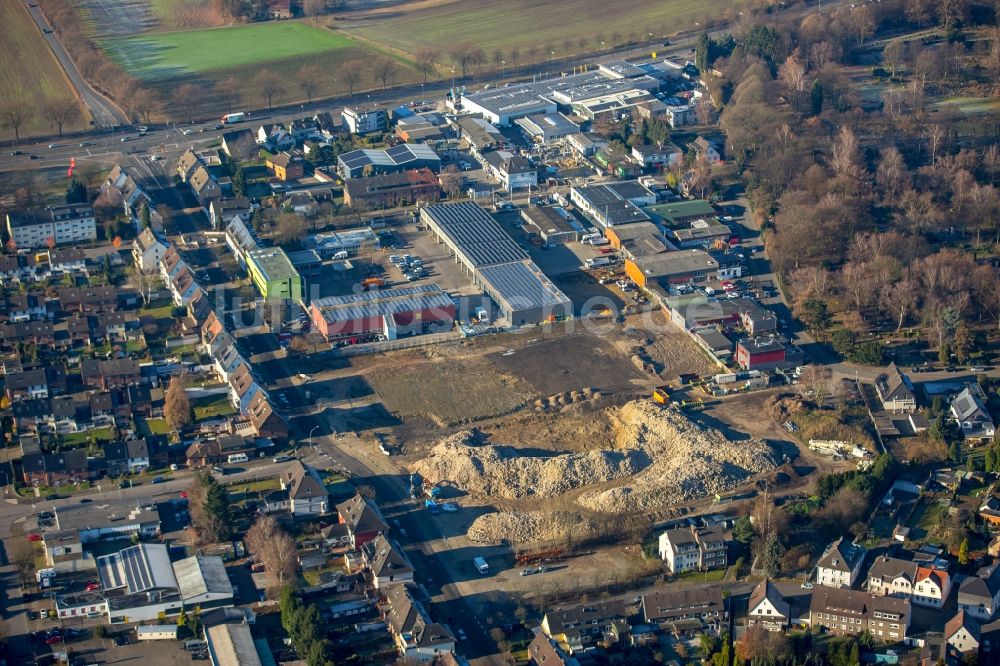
(173, 54)
(528, 24)
(30, 72)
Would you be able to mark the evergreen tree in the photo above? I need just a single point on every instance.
(144, 216)
(816, 98)
(76, 192)
(770, 555)
(963, 552)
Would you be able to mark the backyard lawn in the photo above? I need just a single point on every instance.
(212, 407)
(80, 438)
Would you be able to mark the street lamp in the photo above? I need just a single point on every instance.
(311, 438)
(552, 55)
(650, 42)
(503, 70)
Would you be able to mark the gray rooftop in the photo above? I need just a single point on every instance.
(523, 285)
(382, 303)
(480, 238)
(202, 574)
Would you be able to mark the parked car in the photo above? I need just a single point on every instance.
(92, 587)
(34, 536)
(158, 479)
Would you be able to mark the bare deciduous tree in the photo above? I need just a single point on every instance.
(228, 90)
(60, 112)
(309, 77)
(290, 228)
(145, 281)
(350, 74)
(269, 84)
(188, 97)
(13, 115)
(176, 405)
(272, 547)
(385, 70)
(425, 59)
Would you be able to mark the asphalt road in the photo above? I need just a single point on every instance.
(104, 112)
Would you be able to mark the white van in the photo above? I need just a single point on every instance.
(340, 255)
(597, 262)
(43, 574)
(237, 458)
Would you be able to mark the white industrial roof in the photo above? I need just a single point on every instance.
(232, 645)
(200, 575)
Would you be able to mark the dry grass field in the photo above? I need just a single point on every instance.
(528, 24)
(29, 70)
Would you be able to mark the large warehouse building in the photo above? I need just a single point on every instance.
(391, 313)
(496, 264)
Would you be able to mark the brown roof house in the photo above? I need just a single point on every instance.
(895, 391)
(850, 612)
(306, 493)
(363, 519)
(388, 564)
(768, 608)
(265, 421)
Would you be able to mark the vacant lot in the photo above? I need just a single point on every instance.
(171, 54)
(31, 74)
(534, 26)
(448, 392)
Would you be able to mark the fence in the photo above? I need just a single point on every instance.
(393, 345)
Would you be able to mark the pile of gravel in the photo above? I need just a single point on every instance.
(502, 471)
(689, 461)
(658, 457)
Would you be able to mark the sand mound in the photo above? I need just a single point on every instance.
(657, 457)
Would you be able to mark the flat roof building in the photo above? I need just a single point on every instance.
(678, 213)
(351, 241)
(496, 264)
(551, 223)
(672, 268)
(548, 127)
(390, 313)
(274, 275)
(55, 225)
(370, 162)
(612, 204)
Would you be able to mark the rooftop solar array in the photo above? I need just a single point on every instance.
(523, 285)
(383, 303)
(477, 235)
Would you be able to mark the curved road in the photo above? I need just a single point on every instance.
(104, 112)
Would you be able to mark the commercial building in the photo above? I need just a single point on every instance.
(701, 232)
(638, 239)
(365, 120)
(390, 313)
(55, 225)
(668, 268)
(612, 204)
(760, 353)
(552, 224)
(392, 189)
(496, 264)
(232, 645)
(370, 162)
(274, 275)
(681, 213)
(548, 127)
(479, 134)
(354, 242)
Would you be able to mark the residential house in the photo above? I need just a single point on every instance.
(387, 563)
(211, 451)
(543, 651)
(581, 627)
(285, 167)
(110, 374)
(932, 587)
(89, 300)
(221, 211)
(961, 635)
(850, 612)
(24, 307)
(363, 519)
(240, 145)
(979, 595)
(56, 225)
(768, 608)
(685, 610)
(67, 260)
(840, 564)
(418, 638)
(694, 549)
(969, 410)
(306, 129)
(306, 493)
(274, 137)
(115, 459)
(265, 421)
(102, 408)
(889, 576)
(147, 250)
(188, 163)
(336, 536)
(26, 385)
(360, 120)
(78, 329)
(38, 333)
(137, 452)
(183, 286)
(656, 156)
(204, 187)
(705, 149)
(45, 469)
(895, 391)
(242, 387)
